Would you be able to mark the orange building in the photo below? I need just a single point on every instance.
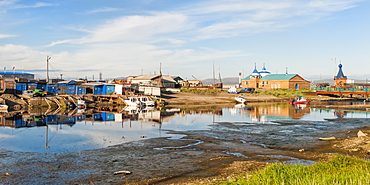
(340, 80)
(266, 80)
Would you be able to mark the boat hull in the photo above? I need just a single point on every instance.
(299, 102)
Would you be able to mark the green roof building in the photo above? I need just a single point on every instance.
(275, 81)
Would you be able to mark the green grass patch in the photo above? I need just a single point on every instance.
(284, 93)
(340, 170)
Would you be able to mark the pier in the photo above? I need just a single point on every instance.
(341, 91)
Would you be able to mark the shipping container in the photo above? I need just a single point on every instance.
(52, 89)
(98, 89)
(20, 87)
(108, 89)
(80, 90)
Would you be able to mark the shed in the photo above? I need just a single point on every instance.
(20, 87)
(80, 90)
(52, 89)
(67, 87)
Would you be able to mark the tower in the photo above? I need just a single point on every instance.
(340, 80)
(264, 71)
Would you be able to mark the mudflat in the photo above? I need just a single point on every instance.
(169, 161)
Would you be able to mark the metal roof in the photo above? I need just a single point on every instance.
(14, 73)
(278, 76)
(340, 74)
(274, 77)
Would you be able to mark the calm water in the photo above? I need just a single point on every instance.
(60, 133)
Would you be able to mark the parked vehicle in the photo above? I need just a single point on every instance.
(247, 90)
(34, 93)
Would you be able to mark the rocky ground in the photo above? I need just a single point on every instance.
(147, 162)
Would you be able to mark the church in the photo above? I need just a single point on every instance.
(265, 80)
(340, 80)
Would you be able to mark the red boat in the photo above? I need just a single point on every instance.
(300, 100)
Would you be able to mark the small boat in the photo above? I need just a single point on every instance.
(80, 104)
(299, 100)
(133, 102)
(146, 100)
(3, 108)
(240, 99)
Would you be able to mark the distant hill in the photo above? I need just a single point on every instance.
(229, 80)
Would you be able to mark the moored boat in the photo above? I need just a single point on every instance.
(146, 100)
(3, 108)
(240, 99)
(299, 100)
(133, 102)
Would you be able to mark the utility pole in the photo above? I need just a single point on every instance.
(47, 68)
(160, 74)
(213, 71)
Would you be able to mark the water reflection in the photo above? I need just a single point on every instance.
(34, 132)
(263, 113)
(86, 129)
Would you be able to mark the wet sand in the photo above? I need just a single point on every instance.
(194, 159)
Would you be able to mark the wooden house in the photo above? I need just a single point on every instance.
(274, 81)
(154, 80)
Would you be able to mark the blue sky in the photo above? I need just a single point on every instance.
(120, 37)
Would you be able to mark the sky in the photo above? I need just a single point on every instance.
(200, 38)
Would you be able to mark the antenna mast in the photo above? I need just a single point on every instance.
(213, 71)
(47, 68)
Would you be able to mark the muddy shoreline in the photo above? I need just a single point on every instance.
(198, 157)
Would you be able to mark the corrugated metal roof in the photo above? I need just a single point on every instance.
(247, 78)
(14, 73)
(279, 77)
(168, 79)
(146, 77)
(274, 77)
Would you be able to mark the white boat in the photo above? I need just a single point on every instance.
(3, 108)
(146, 100)
(133, 102)
(80, 104)
(240, 99)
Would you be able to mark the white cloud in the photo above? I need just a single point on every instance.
(332, 5)
(7, 2)
(125, 45)
(133, 28)
(21, 56)
(6, 36)
(36, 5)
(103, 10)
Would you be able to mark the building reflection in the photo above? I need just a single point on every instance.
(262, 113)
(37, 119)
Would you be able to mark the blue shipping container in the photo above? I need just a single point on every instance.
(20, 87)
(80, 90)
(98, 89)
(108, 89)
